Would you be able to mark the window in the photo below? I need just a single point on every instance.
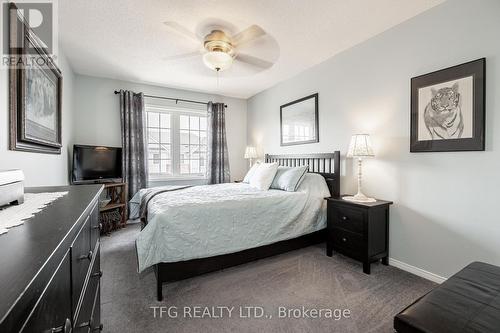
(193, 144)
(177, 143)
(159, 143)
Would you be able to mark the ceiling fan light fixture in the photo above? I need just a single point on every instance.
(217, 60)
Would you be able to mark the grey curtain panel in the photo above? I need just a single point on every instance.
(218, 158)
(134, 161)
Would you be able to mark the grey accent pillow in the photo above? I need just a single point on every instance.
(289, 179)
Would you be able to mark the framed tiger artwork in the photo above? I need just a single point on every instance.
(448, 109)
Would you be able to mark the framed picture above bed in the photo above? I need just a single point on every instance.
(299, 121)
(448, 109)
(35, 92)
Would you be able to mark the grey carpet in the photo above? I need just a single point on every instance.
(306, 277)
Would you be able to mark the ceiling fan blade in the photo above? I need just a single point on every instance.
(247, 35)
(176, 27)
(254, 61)
(182, 56)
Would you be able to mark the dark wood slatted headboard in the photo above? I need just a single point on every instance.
(327, 165)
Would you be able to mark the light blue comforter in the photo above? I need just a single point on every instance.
(210, 220)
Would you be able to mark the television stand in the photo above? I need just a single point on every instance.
(117, 192)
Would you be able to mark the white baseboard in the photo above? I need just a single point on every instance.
(417, 271)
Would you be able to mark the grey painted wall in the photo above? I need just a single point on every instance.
(40, 169)
(97, 118)
(445, 213)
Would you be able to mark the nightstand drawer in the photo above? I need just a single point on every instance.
(346, 218)
(349, 241)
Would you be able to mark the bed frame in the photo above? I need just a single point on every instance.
(327, 165)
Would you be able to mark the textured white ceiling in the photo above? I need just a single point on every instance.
(126, 39)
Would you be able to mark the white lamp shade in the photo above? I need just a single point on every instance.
(217, 60)
(360, 146)
(250, 152)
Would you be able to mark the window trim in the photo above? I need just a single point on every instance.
(175, 144)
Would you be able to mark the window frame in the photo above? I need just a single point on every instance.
(175, 144)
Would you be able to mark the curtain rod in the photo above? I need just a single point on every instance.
(173, 99)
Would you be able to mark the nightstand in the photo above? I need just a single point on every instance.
(359, 230)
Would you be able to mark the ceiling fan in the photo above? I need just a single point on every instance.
(220, 50)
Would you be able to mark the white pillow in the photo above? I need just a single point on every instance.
(250, 173)
(264, 175)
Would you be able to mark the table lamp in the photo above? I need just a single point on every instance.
(360, 147)
(250, 153)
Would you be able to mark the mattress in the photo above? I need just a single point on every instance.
(209, 220)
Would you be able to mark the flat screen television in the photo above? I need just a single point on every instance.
(96, 164)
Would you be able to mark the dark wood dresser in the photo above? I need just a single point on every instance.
(359, 230)
(50, 266)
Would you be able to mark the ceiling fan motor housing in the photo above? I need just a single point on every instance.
(218, 41)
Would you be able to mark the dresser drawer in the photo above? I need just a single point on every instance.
(94, 226)
(96, 272)
(81, 256)
(346, 218)
(95, 320)
(53, 309)
(348, 241)
(84, 322)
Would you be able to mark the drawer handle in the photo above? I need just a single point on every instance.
(345, 218)
(88, 256)
(86, 324)
(344, 239)
(89, 324)
(66, 328)
(98, 328)
(98, 274)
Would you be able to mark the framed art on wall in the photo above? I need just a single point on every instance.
(299, 121)
(35, 92)
(448, 109)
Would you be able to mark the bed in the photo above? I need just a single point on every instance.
(195, 230)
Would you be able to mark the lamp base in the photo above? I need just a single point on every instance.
(360, 197)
